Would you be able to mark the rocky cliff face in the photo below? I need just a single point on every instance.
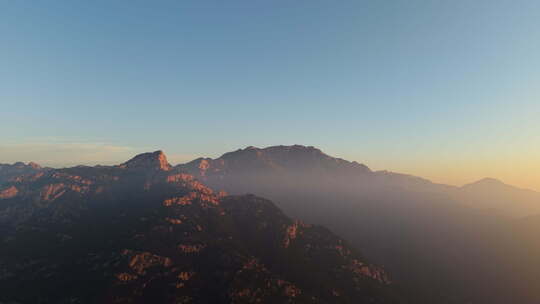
(154, 160)
(143, 232)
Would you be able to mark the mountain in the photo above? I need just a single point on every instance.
(145, 232)
(440, 242)
(8, 172)
(507, 200)
(153, 160)
(288, 166)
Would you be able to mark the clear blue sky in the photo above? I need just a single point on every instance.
(407, 85)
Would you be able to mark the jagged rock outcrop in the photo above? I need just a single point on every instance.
(19, 170)
(143, 232)
(155, 160)
(8, 192)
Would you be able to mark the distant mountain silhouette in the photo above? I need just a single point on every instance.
(440, 241)
(144, 232)
(291, 166)
(490, 193)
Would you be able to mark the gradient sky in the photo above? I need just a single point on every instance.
(447, 90)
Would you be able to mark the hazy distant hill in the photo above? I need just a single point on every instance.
(492, 194)
(440, 241)
(144, 232)
(289, 167)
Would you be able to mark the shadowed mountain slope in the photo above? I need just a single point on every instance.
(289, 167)
(143, 232)
(441, 242)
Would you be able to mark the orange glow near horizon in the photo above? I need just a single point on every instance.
(522, 172)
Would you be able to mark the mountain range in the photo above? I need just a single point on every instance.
(146, 232)
(443, 244)
(433, 243)
(292, 166)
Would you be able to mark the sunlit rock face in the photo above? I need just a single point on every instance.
(155, 160)
(9, 192)
(143, 232)
(19, 170)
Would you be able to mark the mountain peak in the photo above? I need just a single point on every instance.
(34, 165)
(273, 152)
(286, 149)
(151, 160)
(282, 147)
(490, 180)
(487, 183)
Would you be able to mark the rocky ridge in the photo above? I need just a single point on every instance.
(18, 170)
(144, 231)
